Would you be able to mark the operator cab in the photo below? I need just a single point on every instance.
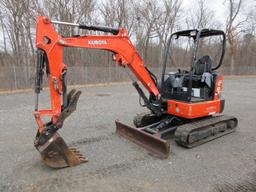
(196, 84)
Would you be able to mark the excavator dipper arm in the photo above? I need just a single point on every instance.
(50, 53)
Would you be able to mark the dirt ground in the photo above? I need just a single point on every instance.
(118, 165)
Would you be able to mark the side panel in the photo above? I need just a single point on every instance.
(218, 87)
(193, 110)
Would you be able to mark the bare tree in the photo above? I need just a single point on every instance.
(14, 11)
(201, 17)
(167, 22)
(231, 30)
(118, 13)
(169, 16)
(147, 13)
(148, 22)
(3, 32)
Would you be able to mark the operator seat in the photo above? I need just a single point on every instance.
(203, 70)
(203, 65)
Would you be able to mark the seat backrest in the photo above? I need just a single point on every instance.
(204, 64)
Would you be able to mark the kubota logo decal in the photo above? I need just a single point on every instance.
(219, 87)
(97, 42)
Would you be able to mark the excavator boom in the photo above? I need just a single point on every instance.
(50, 44)
(185, 102)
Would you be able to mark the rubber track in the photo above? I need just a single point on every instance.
(182, 132)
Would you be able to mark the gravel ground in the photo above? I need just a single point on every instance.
(115, 164)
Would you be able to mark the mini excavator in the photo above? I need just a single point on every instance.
(186, 103)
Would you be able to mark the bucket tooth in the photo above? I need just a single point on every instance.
(56, 154)
(152, 142)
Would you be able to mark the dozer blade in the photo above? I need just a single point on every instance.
(56, 154)
(152, 142)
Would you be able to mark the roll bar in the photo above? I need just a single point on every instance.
(196, 35)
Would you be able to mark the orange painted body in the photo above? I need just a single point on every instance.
(193, 110)
(201, 109)
(52, 43)
(120, 45)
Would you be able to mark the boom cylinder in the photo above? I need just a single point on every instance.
(114, 31)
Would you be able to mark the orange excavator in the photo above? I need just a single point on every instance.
(188, 103)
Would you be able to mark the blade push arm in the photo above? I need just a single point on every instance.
(52, 44)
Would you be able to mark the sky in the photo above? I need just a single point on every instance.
(216, 5)
(220, 8)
